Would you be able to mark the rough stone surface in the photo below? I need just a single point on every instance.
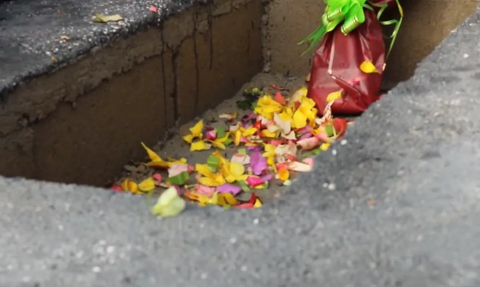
(415, 152)
(25, 55)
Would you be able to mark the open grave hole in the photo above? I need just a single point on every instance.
(84, 122)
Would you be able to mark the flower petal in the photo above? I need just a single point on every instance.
(147, 185)
(229, 188)
(258, 163)
(196, 130)
(200, 145)
(169, 203)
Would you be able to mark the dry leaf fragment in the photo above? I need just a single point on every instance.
(65, 38)
(99, 18)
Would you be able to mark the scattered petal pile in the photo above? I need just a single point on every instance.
(273, 142)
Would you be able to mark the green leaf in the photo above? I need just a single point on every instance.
(242, 151)
(220, 132)
(227, 142)
(330, 130)
(316, 151)
(244, 185)
(179, 179)
(213, 163)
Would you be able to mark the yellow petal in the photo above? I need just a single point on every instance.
(147, 185)
(215, 180)
(271, 161)
(196, 130)
(237, 169)
(368, 67)
(226, 199)
(128, 185)
(203, 169)
(299, 119)
(151, 154)
(283, 174)
(249, 132)
(325, 146)
(257, 204)
(269, 134)
(200, 145)
(334, 96)
(238, 136)
(188, 138)
(218, 145)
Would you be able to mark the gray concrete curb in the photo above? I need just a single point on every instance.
(415, 152)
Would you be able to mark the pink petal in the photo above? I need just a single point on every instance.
(157, 177)
(258, 163)
(298, 166)
(276, 142)
(153, 9)
(240, 158)
(309, 143)
(205, 190)
(229, 188)
(267, 177)
(281, 166)
(249, 117)
(254, 181)
(308, 161)
(190, 168)
(211, 135)
(322, 137)
(305, 136)
(179, 191)
(303, 130)
(254, 148)
(177, 169)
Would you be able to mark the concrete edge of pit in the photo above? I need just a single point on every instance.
(145, 76)
(28, 53)
(80, 218)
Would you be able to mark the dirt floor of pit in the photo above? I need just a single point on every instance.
(176, 148)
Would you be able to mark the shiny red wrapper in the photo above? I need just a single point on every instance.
(336, 66)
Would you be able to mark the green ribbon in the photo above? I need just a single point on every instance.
(351, 13)
(397, 23)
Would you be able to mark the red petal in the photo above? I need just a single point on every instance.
(279, 98)
(340, 126)
(117, 188)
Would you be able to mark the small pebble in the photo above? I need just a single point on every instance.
(343, 142)
(465, 56)
(110, 249)
(256, 221)
(204, 276)
(331, 186)
(96, 269)
(244, 268)
(233, 240)
(334, 151)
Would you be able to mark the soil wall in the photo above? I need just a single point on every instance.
(81, 123)
(426, 24)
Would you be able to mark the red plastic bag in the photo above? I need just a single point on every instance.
(336, 66)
